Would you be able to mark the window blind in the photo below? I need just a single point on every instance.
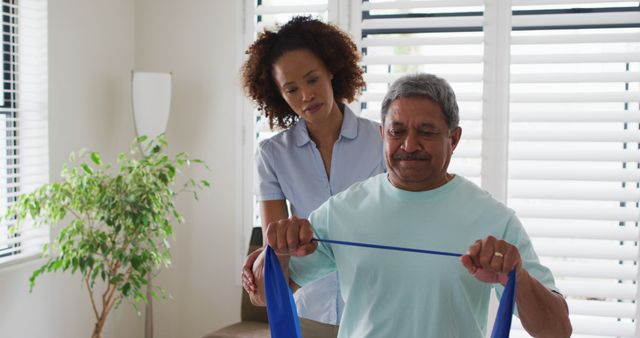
(439, 37)
(24, 159)
(574, 152)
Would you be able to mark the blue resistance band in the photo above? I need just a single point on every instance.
(281, 308)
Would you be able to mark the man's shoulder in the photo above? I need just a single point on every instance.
(472, 189)
(475, 196)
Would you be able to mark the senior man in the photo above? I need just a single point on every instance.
(418, 204)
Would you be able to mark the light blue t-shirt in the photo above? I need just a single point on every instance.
(402, 294)
(289, 166)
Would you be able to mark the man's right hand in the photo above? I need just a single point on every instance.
(291, 237)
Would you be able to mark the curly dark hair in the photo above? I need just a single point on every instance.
(331, 45)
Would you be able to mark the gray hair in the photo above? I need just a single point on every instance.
(426, 86)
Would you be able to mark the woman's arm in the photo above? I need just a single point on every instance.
(270, 211)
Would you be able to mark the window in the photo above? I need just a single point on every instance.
(574, 155)
(549, 95)
(24, 161)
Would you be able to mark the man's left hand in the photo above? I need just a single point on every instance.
(490, 260)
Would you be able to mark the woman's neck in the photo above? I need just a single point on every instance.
(326, 133)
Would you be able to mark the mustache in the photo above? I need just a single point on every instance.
(403, 156)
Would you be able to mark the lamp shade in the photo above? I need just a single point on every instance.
(151, 99)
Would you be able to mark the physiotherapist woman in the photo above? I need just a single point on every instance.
(300, 76)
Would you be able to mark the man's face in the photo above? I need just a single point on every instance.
(417, 144)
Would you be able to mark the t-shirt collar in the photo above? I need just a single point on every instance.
(419, 195)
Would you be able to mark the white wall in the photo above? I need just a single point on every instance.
(93, 46)
(196, 40)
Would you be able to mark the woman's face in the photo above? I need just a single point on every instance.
(305, 84)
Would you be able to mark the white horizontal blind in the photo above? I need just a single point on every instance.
(574, 152)
(24, 158)
(268, 13)
(439, 37)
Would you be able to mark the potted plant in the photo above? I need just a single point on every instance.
(117, 221)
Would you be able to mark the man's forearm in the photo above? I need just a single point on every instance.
(543, 313)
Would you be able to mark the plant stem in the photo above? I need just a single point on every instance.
(97, 329)
(93, 302)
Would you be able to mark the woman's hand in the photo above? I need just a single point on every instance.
(248, 280)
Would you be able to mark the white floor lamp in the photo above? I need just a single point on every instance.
(151, 100)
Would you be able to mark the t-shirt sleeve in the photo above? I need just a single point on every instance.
(304, 270)
(516, 235)
(267, 187)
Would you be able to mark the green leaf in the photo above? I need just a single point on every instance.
(163, 177)
(136, 262)
(65, 264)
(86, 168)
(82, 264)
(75, 263)
(171, 170)
(125, 289)
(95, 157)
(56, 265)
(34, 275)
(161, 140)
(201, 162)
